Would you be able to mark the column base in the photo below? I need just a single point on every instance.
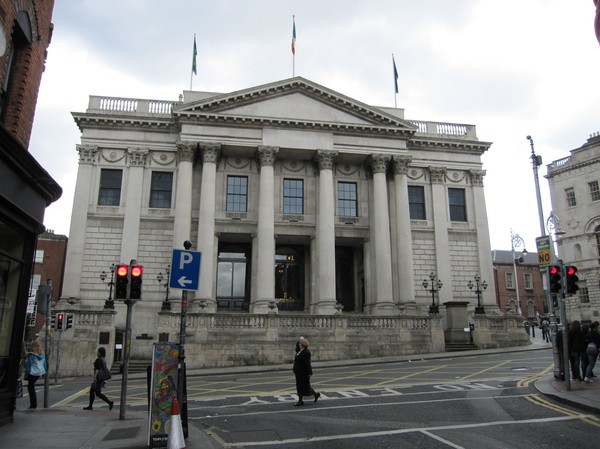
(205, 305)
(384, 309)
(326, 307)
(263, 307)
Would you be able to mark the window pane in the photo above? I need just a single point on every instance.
(416, 202)
(161, 189)
(224, 278)
(237, 193)
(239, 279)
(293, 196)
(347, 199)
(456, 200)
(594, 191)
(571, 201)
(110, 187)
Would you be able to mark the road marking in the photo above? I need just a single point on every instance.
(424, 430)
(589, 419)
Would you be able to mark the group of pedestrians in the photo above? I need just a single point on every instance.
(584, 341)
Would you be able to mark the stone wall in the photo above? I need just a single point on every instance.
(228, 340)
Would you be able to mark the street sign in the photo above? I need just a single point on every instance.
(544, 251)
(185, 269)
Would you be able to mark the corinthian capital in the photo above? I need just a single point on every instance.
(87, 154)
(325, 159)
(379, 163)
(477, 177)
(400, 164)
(137, 156)
(211, 152)
(438, 174)
(186, 150)
(266, 155)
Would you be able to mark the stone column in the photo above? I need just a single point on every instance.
(183, 198)
(440, 225)
(265, 279)
(406, 276)
(133, 204)
(210, 153)
(81, 202)
(326, 298)
(486, 270)
(384, 301)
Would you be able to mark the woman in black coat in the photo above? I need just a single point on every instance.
(303, 371)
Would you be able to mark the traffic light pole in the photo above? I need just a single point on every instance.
(48, 302)
(565, 328)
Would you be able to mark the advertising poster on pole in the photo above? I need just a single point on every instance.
(163, 387)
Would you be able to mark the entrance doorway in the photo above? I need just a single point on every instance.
(289, 278)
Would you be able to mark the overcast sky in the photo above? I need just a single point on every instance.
(512, 68)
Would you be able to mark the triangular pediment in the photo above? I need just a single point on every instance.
(294, 100)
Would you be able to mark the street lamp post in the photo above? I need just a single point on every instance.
(433, 308)
(479, 289)
(166, 304)
(109, 303)
(517, 241)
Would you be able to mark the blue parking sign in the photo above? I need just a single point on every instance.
(185, 269)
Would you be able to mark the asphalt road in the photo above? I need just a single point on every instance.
(484, 401)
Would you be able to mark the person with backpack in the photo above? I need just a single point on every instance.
(101, 375)
(35, 368)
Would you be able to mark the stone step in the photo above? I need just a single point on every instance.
(453, 347)
(135, 366)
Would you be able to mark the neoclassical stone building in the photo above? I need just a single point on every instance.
(313, 212)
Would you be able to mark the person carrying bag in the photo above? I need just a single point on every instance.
(35, 368)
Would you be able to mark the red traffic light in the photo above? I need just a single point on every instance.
(571, 270)
(60, 317)
(122, 270)
(554, 269)
(136, 271)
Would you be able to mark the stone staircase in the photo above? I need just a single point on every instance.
(455, 347)
(135, 366)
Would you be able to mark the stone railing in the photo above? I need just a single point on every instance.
(559, 163)
(445, 129)
(130, 105)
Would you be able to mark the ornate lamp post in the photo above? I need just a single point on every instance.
(166, 304)
(517, 241)
(435, 287)
(109, 303)
(479, 289)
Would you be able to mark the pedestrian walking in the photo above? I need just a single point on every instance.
(546, 330)
(35, 368)
(303, 371)
(592, 351)
(101, 375)
(576, 345)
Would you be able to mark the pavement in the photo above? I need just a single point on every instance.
(69, 427)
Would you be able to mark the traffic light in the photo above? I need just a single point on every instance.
(69, 321)
(572, 279)
(60, 321)
(555, 278)
(53, 321)
(136, 282)
(121, 282)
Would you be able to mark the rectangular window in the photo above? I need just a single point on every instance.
(584, 294)
(347, 199)
(293, 196)
(594, 190)
(528, 281)
(110, 187)
(161, 189)
(416, 202)
(510, 281)
(237, 193)
(39, 256)
(458, 205)
(570, 193)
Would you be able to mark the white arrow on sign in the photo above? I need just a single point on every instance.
(183, 281)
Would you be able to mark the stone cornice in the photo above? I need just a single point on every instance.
(104, 121)
(449, 144)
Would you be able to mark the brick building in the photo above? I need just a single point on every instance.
(524, 294)
(26, 188)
